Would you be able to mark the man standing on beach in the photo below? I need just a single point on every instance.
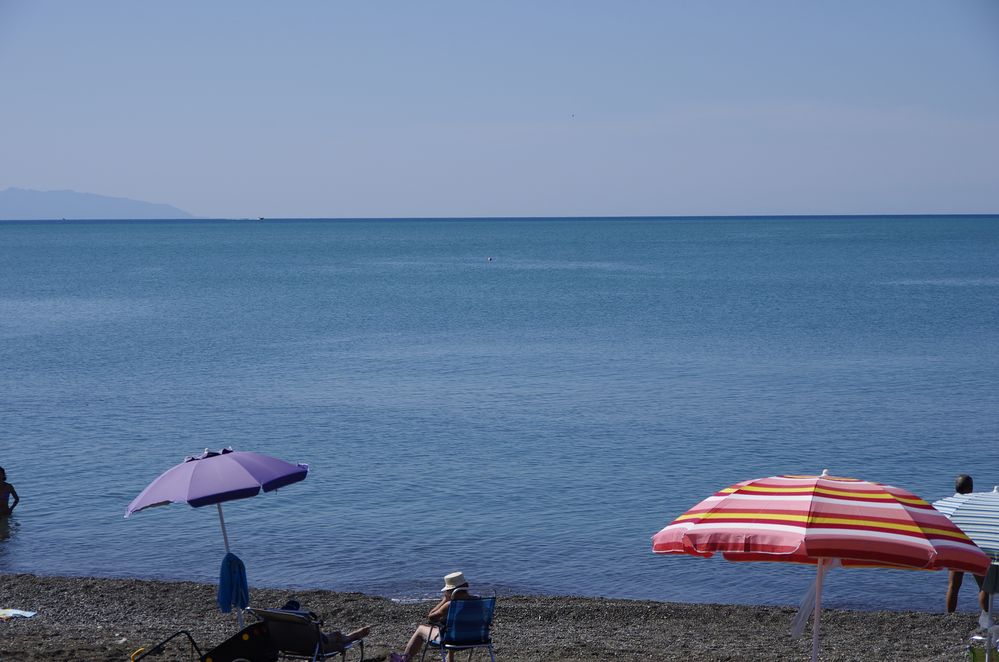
(963, 485)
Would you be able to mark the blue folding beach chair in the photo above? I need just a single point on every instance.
(467, 628)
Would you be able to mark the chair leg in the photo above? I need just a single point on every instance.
(423, 654)
(345, 654)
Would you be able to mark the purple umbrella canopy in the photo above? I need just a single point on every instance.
(217, 477)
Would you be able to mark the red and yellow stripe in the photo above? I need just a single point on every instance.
(804, 518)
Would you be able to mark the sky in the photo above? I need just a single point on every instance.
(516, 108)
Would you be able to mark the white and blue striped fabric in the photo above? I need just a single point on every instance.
(977, 514)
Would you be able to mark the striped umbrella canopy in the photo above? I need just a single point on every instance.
(977, 514)
(825, 520)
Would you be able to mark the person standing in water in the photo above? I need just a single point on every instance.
(6, 492)
(963, 485)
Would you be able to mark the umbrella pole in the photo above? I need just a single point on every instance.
(818, 609)
(225, 539)
(225, 536)
(988, 632)
(989, 586)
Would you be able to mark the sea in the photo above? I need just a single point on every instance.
(525, 400)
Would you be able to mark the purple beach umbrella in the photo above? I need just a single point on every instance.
(216, 477)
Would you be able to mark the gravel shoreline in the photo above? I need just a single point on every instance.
(95, 619)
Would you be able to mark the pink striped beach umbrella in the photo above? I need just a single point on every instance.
(825, 520)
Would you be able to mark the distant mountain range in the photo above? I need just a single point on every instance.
(18, 204)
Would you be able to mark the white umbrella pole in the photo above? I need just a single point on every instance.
(818, 609)
(225, 536)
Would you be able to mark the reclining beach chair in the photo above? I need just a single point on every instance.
(298, 635)
(467, 628)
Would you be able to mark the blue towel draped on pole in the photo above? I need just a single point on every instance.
(233, 590)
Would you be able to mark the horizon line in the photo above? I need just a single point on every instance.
(242, 219)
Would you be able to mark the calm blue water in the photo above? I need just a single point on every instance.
(531, 420)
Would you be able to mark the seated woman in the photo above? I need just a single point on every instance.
(455, 588)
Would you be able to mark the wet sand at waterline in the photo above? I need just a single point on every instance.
(94, 620)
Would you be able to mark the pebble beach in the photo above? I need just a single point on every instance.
(95, 620)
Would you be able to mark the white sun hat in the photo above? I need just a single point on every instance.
(453, 581)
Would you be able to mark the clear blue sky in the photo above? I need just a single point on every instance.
(309, 108)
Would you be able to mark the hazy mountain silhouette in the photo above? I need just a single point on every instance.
(18, 204)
